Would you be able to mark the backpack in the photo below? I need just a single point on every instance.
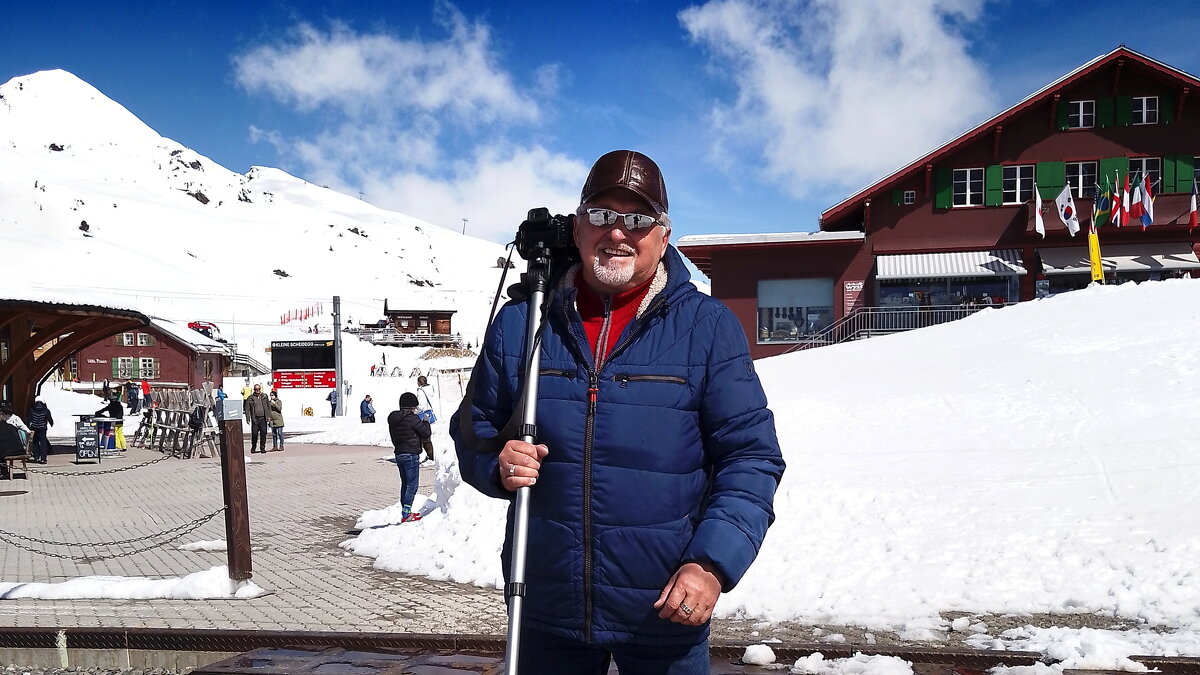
(196, 418)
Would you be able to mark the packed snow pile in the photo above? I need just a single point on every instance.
(1032, 459)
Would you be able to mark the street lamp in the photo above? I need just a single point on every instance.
(464, 225)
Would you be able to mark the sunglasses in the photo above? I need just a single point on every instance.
(608, 218)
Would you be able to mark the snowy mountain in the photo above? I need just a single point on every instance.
(95, 200)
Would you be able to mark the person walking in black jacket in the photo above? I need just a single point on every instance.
(39, 421)
(409, 435)
(257, 409)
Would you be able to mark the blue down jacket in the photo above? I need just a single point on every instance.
(672, 458)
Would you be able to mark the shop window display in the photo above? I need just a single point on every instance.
(790, 310)
(959, 291)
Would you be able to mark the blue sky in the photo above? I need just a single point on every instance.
(761, 113)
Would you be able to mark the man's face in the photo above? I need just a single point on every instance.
(257, 389)
(616, 259)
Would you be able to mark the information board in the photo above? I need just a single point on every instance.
(85, 442)
(303, 379)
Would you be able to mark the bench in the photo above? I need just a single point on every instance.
(11, 462)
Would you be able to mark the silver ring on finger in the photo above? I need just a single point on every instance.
(687, 611)
(512, 469)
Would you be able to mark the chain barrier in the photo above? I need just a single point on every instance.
(101, 473)
(175, 532)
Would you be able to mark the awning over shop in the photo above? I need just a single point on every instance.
(1121, 258)
(1000, 263)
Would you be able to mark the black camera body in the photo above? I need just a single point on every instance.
(555, 234)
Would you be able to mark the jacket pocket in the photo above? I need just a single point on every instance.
(624, 379)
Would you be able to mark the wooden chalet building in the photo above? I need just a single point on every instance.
(417, 327)
(954, 231)
(165, 354)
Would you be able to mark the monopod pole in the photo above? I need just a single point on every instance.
(537, 278)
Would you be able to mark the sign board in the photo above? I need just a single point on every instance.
(85, 442)
(851, 295)
(302, 355)
(304, 379)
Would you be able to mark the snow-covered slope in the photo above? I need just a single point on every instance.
(96, 201)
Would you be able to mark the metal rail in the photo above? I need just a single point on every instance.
(867, 322)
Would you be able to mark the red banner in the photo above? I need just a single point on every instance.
(303, 379)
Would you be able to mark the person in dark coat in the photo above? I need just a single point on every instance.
(40, 420)
(10, 440)
(366, 410)
(133, 396)
(112, 432)
(410, 434)
(653, 480)
(333, 400)
(257, 408)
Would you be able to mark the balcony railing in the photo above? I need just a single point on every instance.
(867, 322)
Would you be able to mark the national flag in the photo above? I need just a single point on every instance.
(1117, 214)
(1040, 226)
(1134, 211)
(1066, 210)
(1147, 203)
(1125, 201)
(1101, 204)
(1192, 210)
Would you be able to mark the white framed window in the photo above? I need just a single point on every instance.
(1017, 185)
(1081, 176)
(127, 339)
(1081, 114)
(146, 368)
(143, 339)
(910, 197)
(1145, 110)
(125, 365)
(1146, 166)
(968, 187)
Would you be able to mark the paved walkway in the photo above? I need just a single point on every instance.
(303, 502)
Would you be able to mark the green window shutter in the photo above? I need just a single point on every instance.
(1184, 164)
(118, 340)
(116, 368)
(150, 341)
(943, 188)
(1050, 178)
(1168, 175)
(136, 362)
(897, 197)
(1062, 116)
(1166, 110)
(993, 185)
(1104, 112)
(1124, 111)
(156, 372)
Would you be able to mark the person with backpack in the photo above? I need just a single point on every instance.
(256, 408)
(425, 396)
(39, 419)
(333, 399)
(276, 420)
(410, 434)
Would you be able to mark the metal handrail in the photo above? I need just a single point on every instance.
(867, 322)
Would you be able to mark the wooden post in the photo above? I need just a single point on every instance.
(237, 513)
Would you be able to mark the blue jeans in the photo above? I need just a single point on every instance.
(410, 476)
(277, 437)
(545, 653)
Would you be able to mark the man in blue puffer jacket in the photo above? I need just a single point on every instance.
(657, 460)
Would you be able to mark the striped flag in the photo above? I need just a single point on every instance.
(1192, 210)
(1147, 203)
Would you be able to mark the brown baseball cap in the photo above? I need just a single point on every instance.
(631, 170)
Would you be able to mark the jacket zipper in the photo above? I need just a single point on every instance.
(589, 437)
(626, 379)
(555, 372)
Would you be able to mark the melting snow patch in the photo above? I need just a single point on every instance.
(211, 584)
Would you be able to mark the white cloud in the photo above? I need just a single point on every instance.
(361, 74)
(494, 189)
(420, 126)
(833, 93)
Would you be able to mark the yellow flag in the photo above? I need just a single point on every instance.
(1094, 256)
